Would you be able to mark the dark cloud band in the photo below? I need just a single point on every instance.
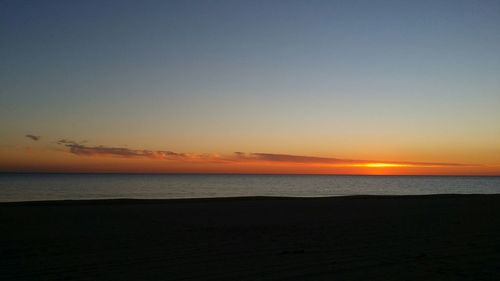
(238, 157)
(334, 161)
(83, 150)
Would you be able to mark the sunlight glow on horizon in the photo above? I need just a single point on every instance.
(92, 159)
(384, 165)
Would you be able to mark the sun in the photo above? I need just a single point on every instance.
(382, 165)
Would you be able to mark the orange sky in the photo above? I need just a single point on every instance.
(70, 156)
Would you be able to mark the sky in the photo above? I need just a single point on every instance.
(330, 87)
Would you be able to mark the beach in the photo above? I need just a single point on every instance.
(434, 237)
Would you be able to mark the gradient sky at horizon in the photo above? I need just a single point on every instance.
(414, 81)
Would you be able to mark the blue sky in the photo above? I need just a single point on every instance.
(309, 77)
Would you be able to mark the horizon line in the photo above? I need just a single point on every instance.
(243, 174)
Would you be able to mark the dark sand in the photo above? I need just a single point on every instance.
(447, 237)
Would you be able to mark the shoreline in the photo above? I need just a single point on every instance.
(409, 237)
(139, 201)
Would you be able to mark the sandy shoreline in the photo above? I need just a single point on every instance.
(438, 237)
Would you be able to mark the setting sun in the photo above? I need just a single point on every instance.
(381, 165)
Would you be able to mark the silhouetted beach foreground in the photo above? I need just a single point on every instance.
(443, 237)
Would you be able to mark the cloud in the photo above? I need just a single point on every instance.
(33, 137)
(289, 158)
(100, 150)
(80, 149)
(286, 158)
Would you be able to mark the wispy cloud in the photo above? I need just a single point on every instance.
(286, 158)
(33, 137)
(80, 149)
(100, 150)
(290, 158)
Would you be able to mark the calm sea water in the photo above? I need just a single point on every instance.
(27, 187)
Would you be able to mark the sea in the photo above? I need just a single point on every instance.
(37, 187)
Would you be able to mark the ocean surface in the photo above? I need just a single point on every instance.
(29, 187)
